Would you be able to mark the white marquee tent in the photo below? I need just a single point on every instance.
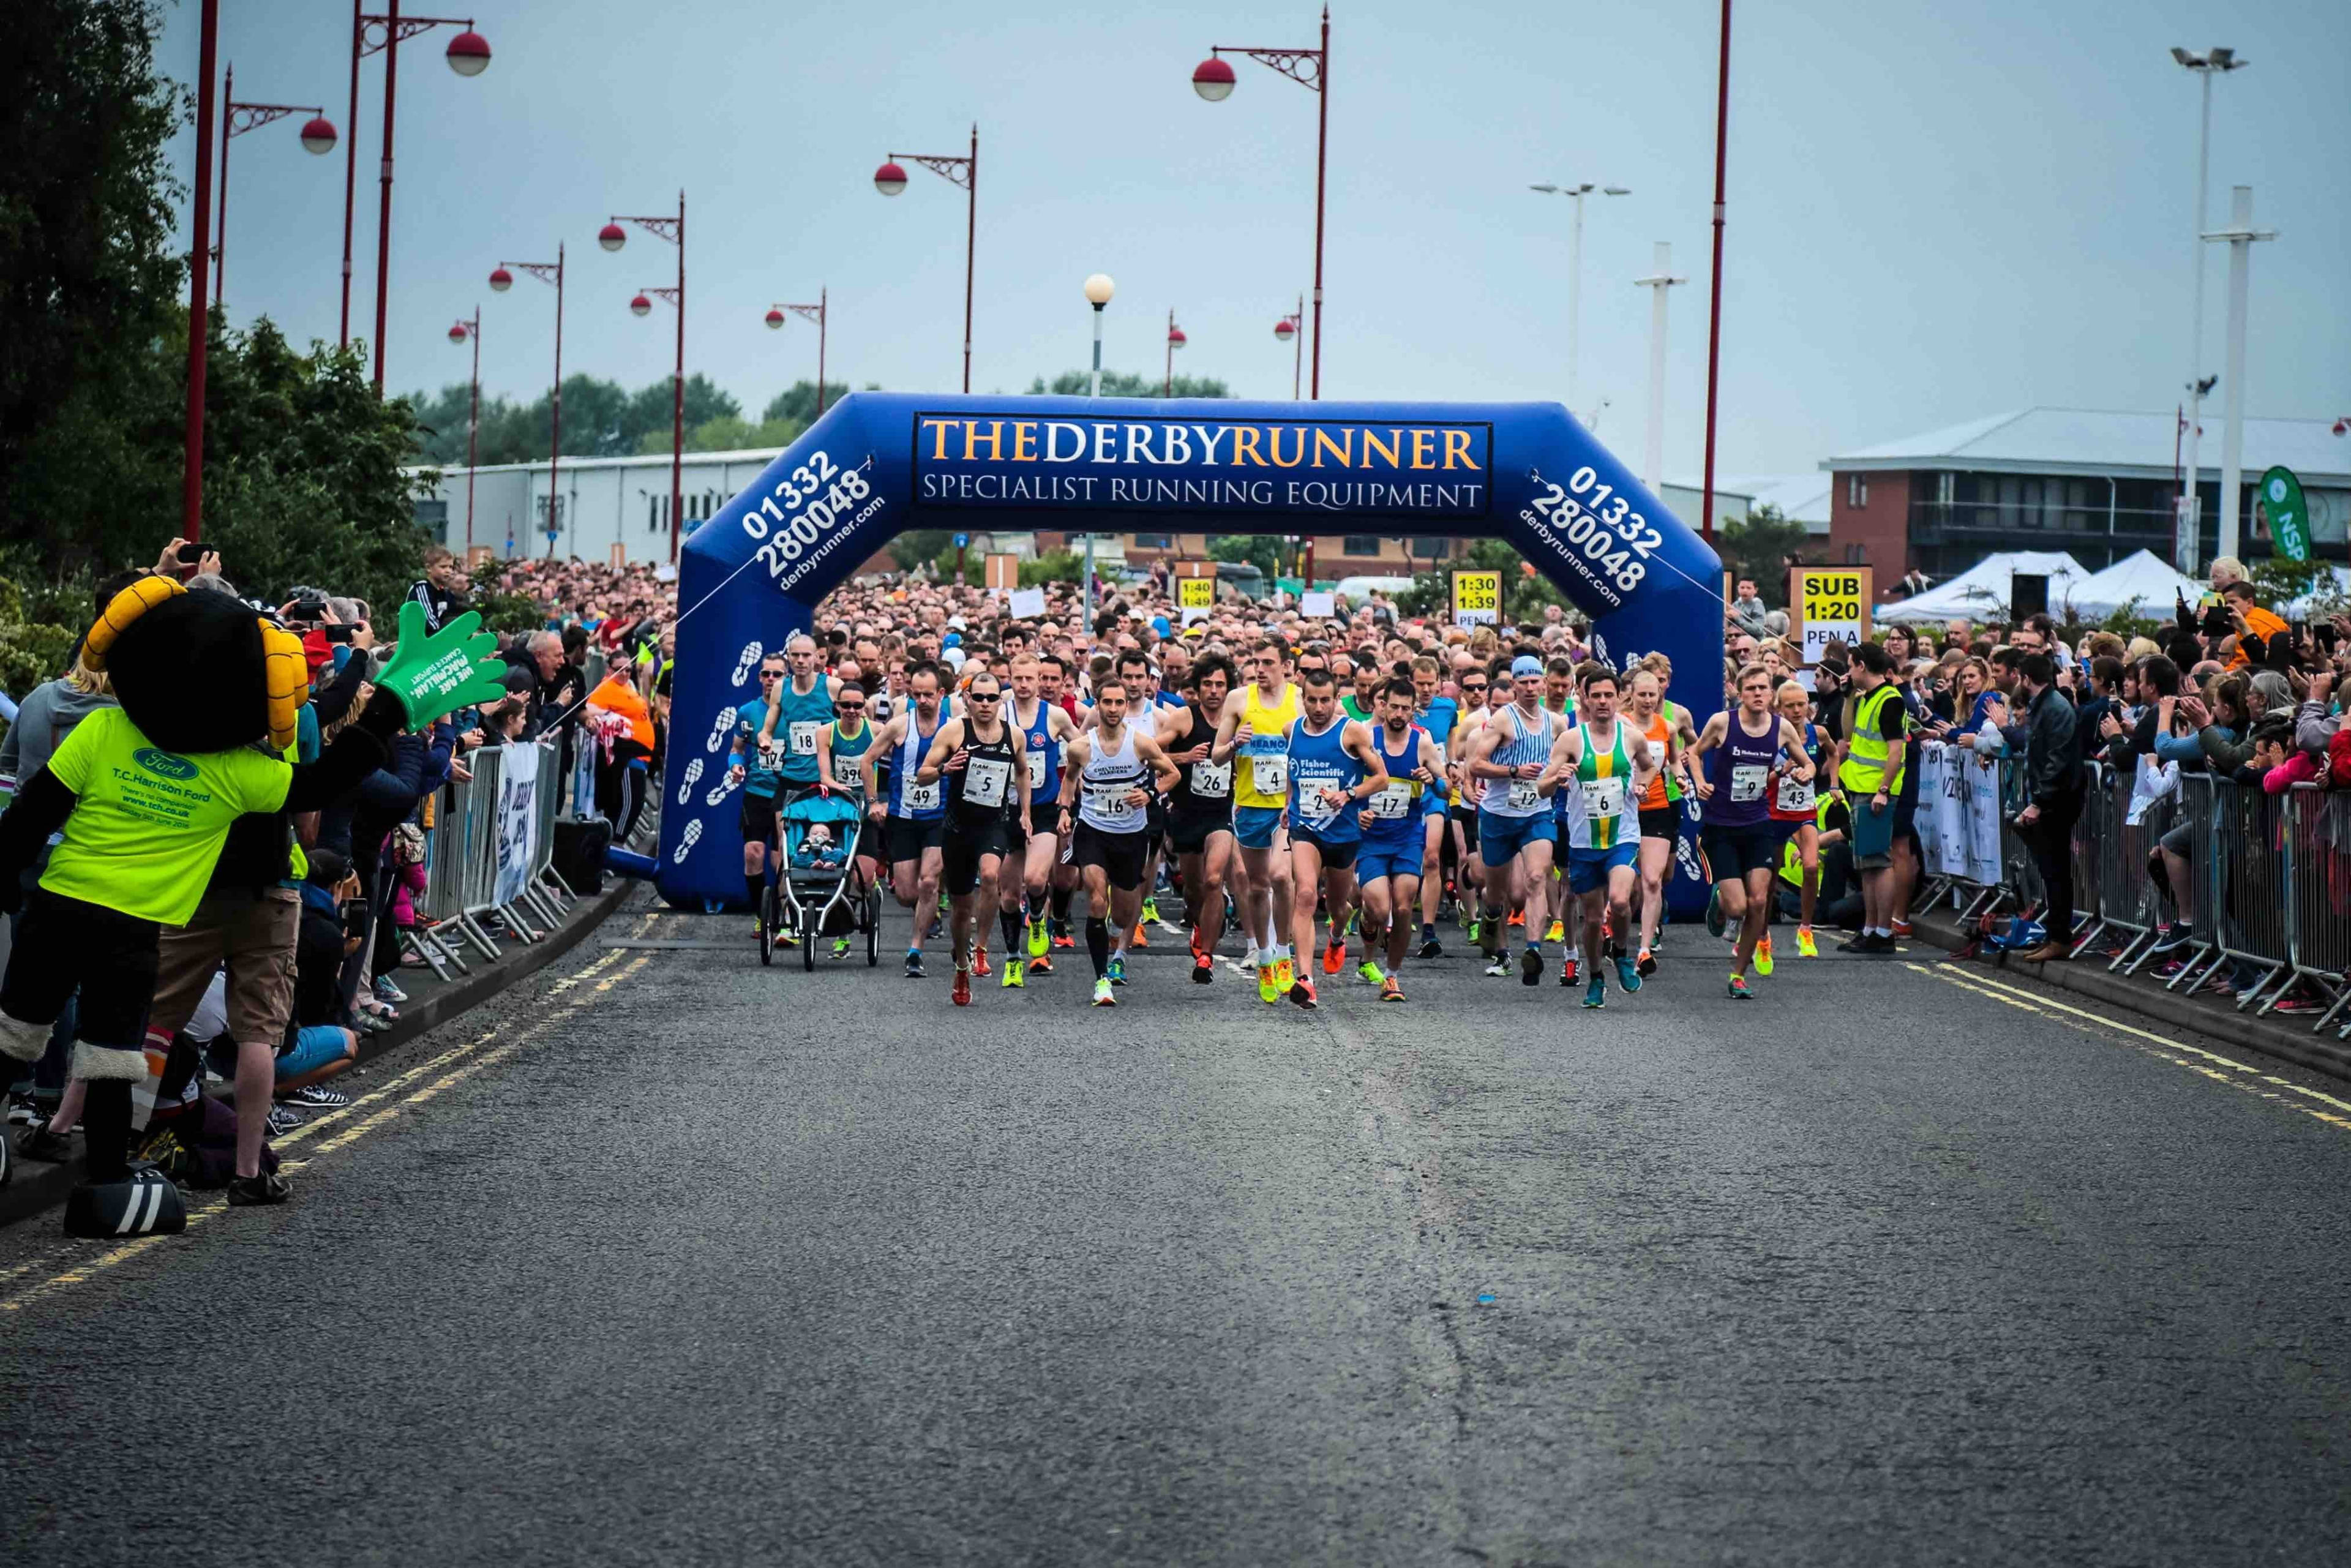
(1981, 592)
(2144, 578)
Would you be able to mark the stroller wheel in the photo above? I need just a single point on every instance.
(767, 926)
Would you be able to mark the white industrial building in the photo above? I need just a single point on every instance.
(613, 508)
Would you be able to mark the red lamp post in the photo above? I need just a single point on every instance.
(1176, 340)
(1213, 79)
(1286, 331)
(815, 313)
(891, 179)
(464, 331)
(1713, 309)
(468, 55)
(236, 119)
(545, 272)
(613, 237)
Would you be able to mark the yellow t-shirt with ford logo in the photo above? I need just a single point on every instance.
(148, 824)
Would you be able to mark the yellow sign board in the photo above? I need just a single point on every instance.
(1476, 598)
(1832, 604)
(1196, 593)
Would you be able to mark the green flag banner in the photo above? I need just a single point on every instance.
(2281, 496)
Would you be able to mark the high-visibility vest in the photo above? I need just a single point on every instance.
(1866, 751)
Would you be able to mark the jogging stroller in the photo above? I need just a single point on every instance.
(817, 891)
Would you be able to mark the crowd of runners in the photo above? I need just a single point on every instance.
(1300, 800)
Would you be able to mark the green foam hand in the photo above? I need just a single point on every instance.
(438, 673)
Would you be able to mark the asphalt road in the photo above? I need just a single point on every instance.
(665, 1259)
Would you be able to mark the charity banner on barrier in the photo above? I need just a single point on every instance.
(518, 824)
(1958, 819)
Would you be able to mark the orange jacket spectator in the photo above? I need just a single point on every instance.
(617, 695)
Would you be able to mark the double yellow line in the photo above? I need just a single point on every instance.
(356, 1121)
(2239, 1075)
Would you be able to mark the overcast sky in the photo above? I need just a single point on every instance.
(1937, 212)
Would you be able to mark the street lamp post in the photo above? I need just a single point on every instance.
(891, 179)
(1213, 79)
(1575, 265)
(2239, 237)
(192, 457)
(236, 119)
(613, 237)
(1174, 340)
(815, 313)
(1098, 290)
(551, 272)
(2188, 535)
(468, 55)
(465, 331)
(1653, 450)
(1286, 330)
(1714, 281)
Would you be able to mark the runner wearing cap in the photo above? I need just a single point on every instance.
(1516, 832)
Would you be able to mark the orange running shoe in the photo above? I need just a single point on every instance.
(1137, 938)
(961, 992)
(1042, 964)
(1335, 958)
(1517, 917)
(1303, 993)
(980, 962)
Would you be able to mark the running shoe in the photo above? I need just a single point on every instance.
(385, 991)
(1267, 992)
(1595, 995)
(1335, 958)
(1303, 993)
(840, 948)
(1475, 929)
(1285, 971)
(1903, 929)
(980, 962)
(1117, 970)
(38, 1142)
(1038, 939)
(758, 926)
(1430, 947)
(1062, 939)
(913, 963)
(961, 992)
(1628, 975)
(1531, 966)
(1517, 917)
(1499, 970)
(2299, 1002)
(246, 1192)
(1203, 969)
(283, 1119)
(1646, 965)
(1390, 991)
(316, 1097)
(1763, 956)
(1805, 947)
(1016, 974)
(1103, 997)
(1043, 966)
(1739, 991)
(788, 937)
(1138, 938)
(1558, 931)
(1149, 910)
(2179, 933)
(1568, 970)
(1714, 921)
(1371, 972)
(23, 1110)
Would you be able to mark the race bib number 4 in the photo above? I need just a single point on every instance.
(984, 780)
(1211, 780)
(1270, 775)
(1747, 781)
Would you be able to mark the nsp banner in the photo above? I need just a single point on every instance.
(1832, 604)
(2280, 499)
(1476, 598)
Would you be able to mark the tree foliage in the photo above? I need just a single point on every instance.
(1120, 384)
(1759, 548)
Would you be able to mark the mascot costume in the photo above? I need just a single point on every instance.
(139, 801)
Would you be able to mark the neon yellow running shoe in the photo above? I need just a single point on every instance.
(1267, 992)
(1285, 974)
(1805, 945)
(1558, 931)
(1372, 973)
(1763, 956)
(1037, 939)
(1016, 974)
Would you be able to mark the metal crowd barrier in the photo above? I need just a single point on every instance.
(461, 863)
(2269, 893)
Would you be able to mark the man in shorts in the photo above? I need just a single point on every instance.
(1200, 811)
(1602, 767)
(1257, 727)
(980, 757)
(1517, 831)
(1395, 850)
(1740, 757)
(1113, 772)
(913, 814)
(1333, 768)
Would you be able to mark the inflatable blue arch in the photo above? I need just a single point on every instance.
(879, 463)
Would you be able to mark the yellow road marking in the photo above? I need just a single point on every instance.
(199, 1213)
(2241, 1076)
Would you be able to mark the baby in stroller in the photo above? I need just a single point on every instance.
(817, 852)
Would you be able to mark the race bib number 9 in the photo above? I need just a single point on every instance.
(1747, 781)
(1270, 775)
(1212, 780)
